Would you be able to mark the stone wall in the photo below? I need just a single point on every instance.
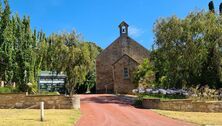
(183, 105)
(23, 101)
(124, 85)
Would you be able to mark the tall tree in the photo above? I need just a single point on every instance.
(211, 6)
(187, 50)
(220, 8)
(74, 57)
(6, 42)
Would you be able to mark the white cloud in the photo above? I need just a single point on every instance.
(135, 31)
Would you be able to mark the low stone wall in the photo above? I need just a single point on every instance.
(23, 101)
(183, 105)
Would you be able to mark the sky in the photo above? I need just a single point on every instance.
(98, 20)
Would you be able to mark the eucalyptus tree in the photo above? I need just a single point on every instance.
(187, 51)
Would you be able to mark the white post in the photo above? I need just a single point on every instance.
(42, 111)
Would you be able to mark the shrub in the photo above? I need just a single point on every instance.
(8, 90)
(139, 100)
(5, 90)
(144, 75)
(48, 93)
(199, 93)
(203, 93)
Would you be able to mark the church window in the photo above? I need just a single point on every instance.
(126, 73)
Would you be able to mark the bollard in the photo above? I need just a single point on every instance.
(42, 111)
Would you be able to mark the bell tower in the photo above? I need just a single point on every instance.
(123, 27)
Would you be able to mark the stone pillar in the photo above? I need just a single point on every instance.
(76, 101)
(2, 84)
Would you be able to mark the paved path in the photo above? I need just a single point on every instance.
(110, 110)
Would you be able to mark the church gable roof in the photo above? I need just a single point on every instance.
(123, 23)
(107, 48)
(120, 43)
(125, 55)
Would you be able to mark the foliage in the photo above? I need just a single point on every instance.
(17, 49)
(144, 75)
(68, 53)
(204, 93)
(211, 6)
(5, 90)
(164, 97)
(187, 52)
(198, 93)
(139, 100)
(48, 93)
(220, 8)
(161, 93)
(8, 90)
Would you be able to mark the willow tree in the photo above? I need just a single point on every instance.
(73, 56)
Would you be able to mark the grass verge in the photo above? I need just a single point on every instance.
(200, 118)
(31, 117)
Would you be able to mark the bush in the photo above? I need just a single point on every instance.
(139, 100)
(164, 94)
(165, 97)
(48, 93)
(204, 93)
(5, 90)
(8, 90)
(199, 93)
(144, 75)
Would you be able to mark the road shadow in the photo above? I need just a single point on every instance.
(108, 99)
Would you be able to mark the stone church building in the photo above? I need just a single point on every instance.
(116, 64)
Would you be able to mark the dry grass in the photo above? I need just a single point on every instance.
(194, 117)
(31, 117)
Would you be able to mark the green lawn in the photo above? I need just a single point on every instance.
(200, 118)
(31, 117)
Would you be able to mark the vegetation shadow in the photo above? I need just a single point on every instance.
(111, 99)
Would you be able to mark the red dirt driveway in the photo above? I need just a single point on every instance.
(110, 110)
